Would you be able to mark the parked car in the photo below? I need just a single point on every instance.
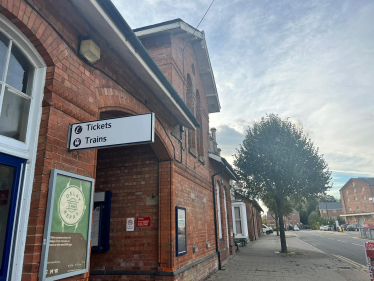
(368, 226)
(353, 227)
(266, 229)
(322, 227)
(295, 228)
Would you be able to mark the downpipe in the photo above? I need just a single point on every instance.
(215, 220)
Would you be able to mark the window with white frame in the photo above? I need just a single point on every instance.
(238, 221)
(356, 199)
(350, 209)
(366, 207)
(364, 197)
(334, 211)
(219, 213)
(16, 79)
(348, 200)
(354, 190)
(353, 184)
(357, 208)
(363, 189)
(324, 211)
(346, 192)
(22, 78)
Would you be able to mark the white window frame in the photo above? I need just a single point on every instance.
(346, 192)
(243, 216)
(25, 150)
(334, 210)
(362, 188)
(219, 212)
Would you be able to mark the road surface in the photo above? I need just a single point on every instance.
(347, 246)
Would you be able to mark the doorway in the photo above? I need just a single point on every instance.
(10, 174)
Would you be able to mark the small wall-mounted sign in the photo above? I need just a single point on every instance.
(129, 130)
(143, 222)
(130, 224)
(369, 250)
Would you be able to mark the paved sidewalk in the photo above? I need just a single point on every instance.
(258, 261)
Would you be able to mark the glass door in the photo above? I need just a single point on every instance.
(10, 174)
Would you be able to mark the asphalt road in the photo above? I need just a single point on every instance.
(345, 245)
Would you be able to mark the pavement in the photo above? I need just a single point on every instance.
(261, 260)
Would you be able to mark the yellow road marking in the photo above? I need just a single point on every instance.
(356, 264)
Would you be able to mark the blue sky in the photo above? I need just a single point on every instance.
(311, 61)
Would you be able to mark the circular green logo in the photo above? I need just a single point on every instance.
(71, 205)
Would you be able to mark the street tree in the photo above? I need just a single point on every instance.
(278, 160)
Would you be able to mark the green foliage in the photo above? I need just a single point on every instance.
(264, 220)
(276, 160)
(314, 220)
(327, 198)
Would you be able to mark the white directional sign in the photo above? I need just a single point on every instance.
(128, 130)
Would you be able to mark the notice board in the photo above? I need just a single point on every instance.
(67, 230)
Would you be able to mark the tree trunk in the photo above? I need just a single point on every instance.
(282, 234)
(277, 224)
(279, 200)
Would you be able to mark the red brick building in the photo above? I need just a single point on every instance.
(330, 209)
(65, 62)
(291, 220)
(357, 199)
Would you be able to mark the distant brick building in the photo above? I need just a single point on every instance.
(357, 200)
(330, 209)
(292, 219)
(73, 61)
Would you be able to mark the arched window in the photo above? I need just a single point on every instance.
(200, 138)
(191, 103)
(22, 78)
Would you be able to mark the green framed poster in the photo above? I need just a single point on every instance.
(67, 230)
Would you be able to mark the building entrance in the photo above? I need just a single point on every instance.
(10, 174)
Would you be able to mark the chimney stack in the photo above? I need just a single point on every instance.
(213, 130)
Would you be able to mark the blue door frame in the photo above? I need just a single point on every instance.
(17, 164)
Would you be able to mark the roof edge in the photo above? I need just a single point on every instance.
(123, 26)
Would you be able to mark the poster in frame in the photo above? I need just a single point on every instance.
(67, 230)
(181, 230)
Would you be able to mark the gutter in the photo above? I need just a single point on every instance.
(129, 34)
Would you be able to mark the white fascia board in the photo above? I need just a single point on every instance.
(215, 157)
(99, 20)
(206, 73)
(169, 27)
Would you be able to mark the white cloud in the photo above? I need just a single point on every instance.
(312, 61)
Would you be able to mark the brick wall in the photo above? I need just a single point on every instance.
(76, 92)
(131, 173)
(355, 199)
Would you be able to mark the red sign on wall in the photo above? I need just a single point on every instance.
(4, 194)
(143, 221)
(369, 250)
